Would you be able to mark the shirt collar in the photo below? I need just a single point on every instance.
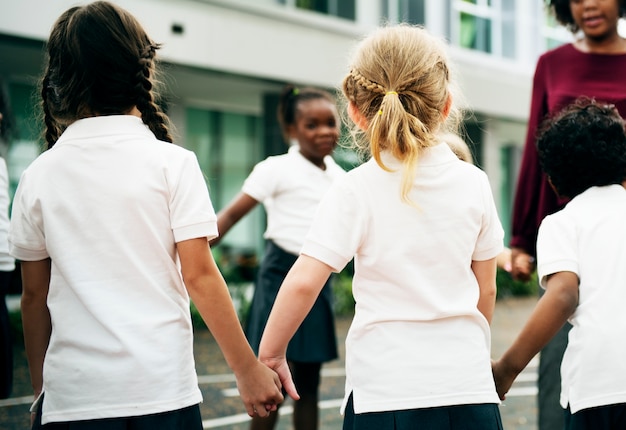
(103, 126)
(431, 156)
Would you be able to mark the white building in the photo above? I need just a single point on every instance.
(226, 61)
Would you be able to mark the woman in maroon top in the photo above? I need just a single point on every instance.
(594, 65)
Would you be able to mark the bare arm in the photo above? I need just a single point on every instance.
(485, 272)
(36, 317)
(552, 311)
(295, 299)
(259, 386)
(231, 214)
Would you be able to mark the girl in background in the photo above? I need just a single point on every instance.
(101, 221)
(290, 186)
(424, 233)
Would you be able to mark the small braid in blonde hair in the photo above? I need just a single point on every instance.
(366, 83)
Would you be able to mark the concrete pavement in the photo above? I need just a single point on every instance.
(223, 410)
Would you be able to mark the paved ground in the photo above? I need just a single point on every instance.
(222, 409)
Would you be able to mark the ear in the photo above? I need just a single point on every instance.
(447, 107)
(291, 131)
(356, 116)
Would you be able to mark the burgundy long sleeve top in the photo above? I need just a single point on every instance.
(561, 75)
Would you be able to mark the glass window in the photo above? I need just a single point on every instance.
(411, 11)
(227, 146)
(475, 33)
(485, 25)
(340, 8)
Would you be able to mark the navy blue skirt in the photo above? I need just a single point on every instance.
(315, 341)
(484, 416)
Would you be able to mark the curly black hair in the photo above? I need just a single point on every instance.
(563, 14)
(583, 146)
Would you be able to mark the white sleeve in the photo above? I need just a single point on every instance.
(337, 230)
(556, 247)
(27, 241)
(490, 241)
(261, 183)
(7, 263)
(191, 211)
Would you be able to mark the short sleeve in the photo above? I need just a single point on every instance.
(556, 247)
(490, 241)
(262, 181)
(337, 230)
(27, 240)
(191, 212)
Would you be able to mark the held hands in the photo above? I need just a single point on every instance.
(260, 389)
(280, 366)
(522, 264)
(503, 377)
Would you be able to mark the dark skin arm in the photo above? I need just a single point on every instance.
(231, 214)
(552, 311)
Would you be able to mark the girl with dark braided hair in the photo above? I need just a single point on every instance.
(112, 224)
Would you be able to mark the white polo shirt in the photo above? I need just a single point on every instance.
(7, 263)
(290, 188)
(107, 204)
(588, 238)
(417, 339)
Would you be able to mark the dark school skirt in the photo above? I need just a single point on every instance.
(188, 418)
(485, 416)
(315, 341)
(607, 417)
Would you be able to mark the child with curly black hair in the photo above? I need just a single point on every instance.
(581, 250)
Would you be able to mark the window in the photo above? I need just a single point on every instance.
(340, 8)
(411, 11)
(485, 25)
(228, 146)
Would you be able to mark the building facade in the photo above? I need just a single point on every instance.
(226, 60)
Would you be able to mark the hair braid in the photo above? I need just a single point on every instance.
(52, 131)
(366, 83)
(150, 112)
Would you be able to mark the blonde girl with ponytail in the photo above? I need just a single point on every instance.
(423, 230)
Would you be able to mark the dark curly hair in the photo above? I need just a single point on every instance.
(563, 14)
(583, 146)
(100, 61)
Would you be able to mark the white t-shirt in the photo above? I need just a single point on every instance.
(588, 238)
(417, 339)
(7, 263)
(107, 204)
(290, 187)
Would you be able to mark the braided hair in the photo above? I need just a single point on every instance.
(100, 61)
(400, 83)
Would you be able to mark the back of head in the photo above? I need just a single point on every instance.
(583, 146)
(399, 82)
(100, 62)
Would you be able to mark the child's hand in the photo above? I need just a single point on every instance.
(280, 366)
(503, 378)
(260, 389)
